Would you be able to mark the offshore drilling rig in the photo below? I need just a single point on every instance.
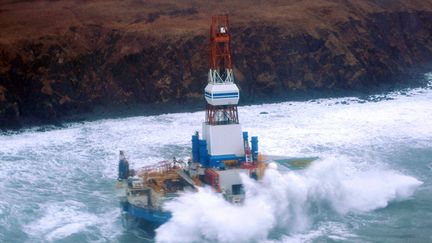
(220, 155)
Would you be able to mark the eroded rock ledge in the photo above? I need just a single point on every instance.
(157, 53)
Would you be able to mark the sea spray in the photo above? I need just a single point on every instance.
(41, 170)
(283, 200)
(351, 188)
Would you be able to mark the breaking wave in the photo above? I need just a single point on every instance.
(291, 200)
(57, 185)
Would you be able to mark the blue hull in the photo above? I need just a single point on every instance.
(151, 216)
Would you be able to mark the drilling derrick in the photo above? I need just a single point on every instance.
(221, 93)
(223, 142)
(221, 155)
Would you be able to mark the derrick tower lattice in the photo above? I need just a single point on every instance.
(222, 94)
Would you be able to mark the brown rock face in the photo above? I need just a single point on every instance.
(58, 58)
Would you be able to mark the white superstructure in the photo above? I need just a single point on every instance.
(222, 94)
(224, 139)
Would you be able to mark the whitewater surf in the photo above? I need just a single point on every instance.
(372, 182)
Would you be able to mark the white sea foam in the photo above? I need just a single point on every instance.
(64, 219)
(352, 138)
(61, 220)
(333, 230)
(283, 201)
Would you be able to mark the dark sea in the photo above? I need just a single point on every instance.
(371, 183)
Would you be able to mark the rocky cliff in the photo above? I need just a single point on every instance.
(59, 58)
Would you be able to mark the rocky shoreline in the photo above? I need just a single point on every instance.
(193, 105)
(151, 58)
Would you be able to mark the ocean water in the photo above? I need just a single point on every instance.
(372, 183)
